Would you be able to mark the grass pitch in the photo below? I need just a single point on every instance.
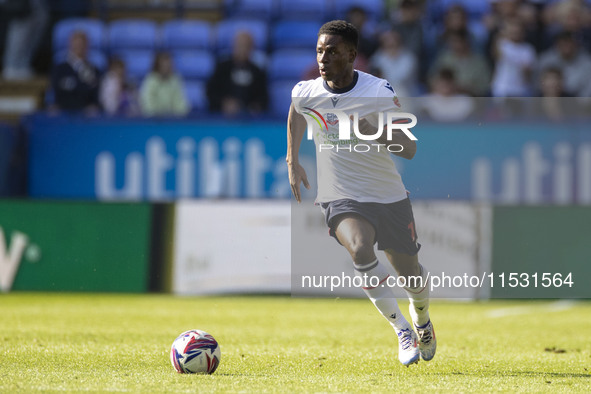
(101, 343)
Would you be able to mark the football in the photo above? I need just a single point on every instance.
(195, 351)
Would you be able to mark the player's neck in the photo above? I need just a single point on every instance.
(343, 82)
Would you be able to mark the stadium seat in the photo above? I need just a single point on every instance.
(133, 34)
(280, 93)
(195, 92)
(184, 34)
(259, 9)
(95, 56)
(227, 29)
(290, 64)
(94, 29)
(374, 8)
(193, 64)
(295, 34)
(138, 62)
(318, 10)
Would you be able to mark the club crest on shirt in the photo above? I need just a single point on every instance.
(332, 119)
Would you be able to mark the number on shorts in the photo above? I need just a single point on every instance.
(413, 234)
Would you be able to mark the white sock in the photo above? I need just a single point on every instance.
(419, 300)
(382, 296)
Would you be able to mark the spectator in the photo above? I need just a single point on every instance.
(501, 11)
(573, 62)
(444, 103)
(455, 20)
(396, 64)
(162, 92)
(470, 69)
(408, 21)
(530, 15)
(75, 82)
(27, 19)
(527, 12)
(554, 103)
(570, 15)
(237, 85)
(552, 83)
(514, 62)
(116, 95)
(367, 41)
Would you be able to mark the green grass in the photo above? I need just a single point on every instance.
(70, 342)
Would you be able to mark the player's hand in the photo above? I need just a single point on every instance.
(297, 174)
(365, 127)
(408, 147)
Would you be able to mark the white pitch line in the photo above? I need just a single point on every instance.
(555, 306)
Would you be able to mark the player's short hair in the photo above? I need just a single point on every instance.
(347, 31)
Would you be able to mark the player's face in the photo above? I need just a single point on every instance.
(335, 58)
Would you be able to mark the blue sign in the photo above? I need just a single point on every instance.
(517, 163)
(155, 160)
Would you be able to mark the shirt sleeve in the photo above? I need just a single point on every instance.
(296, 96)
(386, 101)
(386, 97)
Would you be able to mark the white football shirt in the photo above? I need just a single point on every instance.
(349, 171)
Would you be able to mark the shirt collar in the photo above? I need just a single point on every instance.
(346, 88)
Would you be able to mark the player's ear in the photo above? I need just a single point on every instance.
(352, 54)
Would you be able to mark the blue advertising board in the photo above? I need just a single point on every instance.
(155, 160)
(529, 163)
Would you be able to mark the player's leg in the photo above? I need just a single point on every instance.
(357, 235)
(417, 290)
(398, 239)
(408, 267)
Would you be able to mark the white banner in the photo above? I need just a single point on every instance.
(246, 246)
(455, 239)
(231, 246)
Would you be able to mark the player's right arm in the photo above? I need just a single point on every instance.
(296, 127)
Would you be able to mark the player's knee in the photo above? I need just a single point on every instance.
(362, 252)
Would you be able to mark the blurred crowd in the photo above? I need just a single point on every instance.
(446, 52)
